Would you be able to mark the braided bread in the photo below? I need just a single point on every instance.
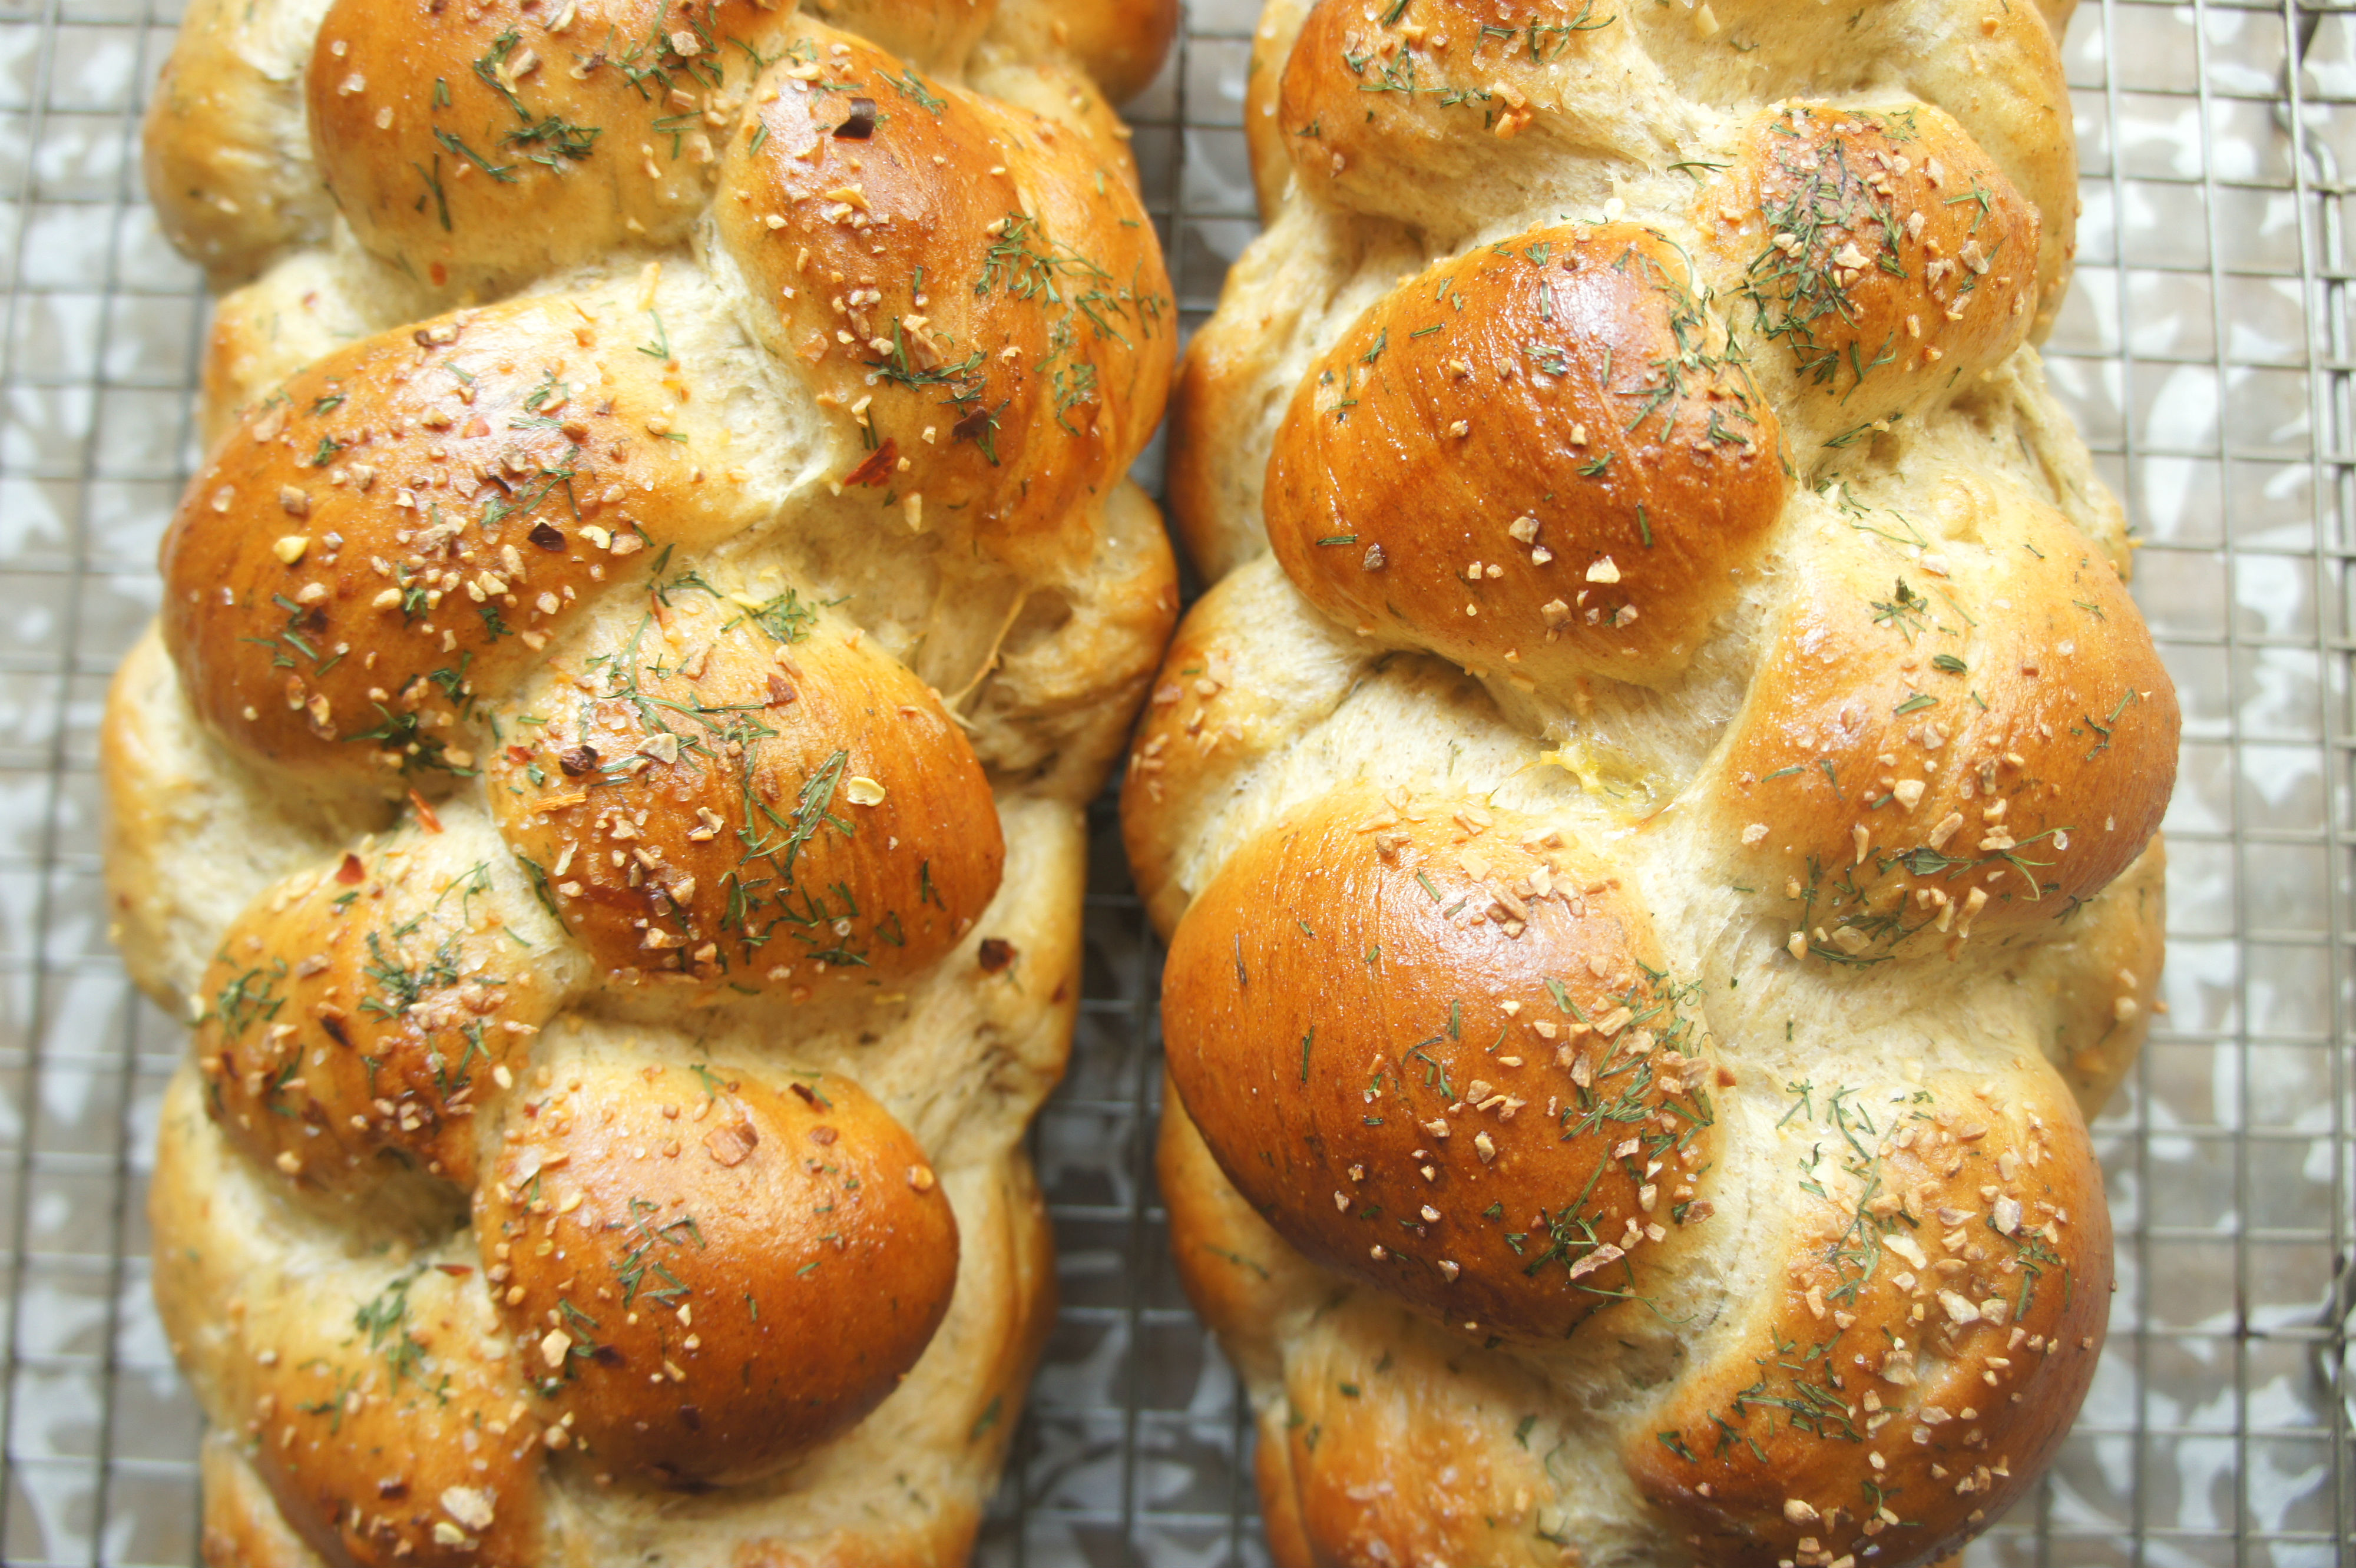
(621, 976)
(1655, 819)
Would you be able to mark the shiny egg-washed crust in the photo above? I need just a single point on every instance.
(606, 783)
(1656, 816)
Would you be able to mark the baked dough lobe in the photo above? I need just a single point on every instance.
(809, 1208)
(1435, 1049)
(1541, 455)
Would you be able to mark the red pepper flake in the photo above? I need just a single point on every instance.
(350, 873)
(426, 817)
(457, 1271)
(878, 469)
(995, 954)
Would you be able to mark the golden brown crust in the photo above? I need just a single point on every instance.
(1874, 771)
(1972, 750)
(401, 531)
(395, 1472)
(561, 134)
(372, 1004)
(1540, 458)
(1437, 116)
(980, 284)
(737, 797)
(1471, 1494)
(622, 977)
(354, 1379)
(1913, 1373)
(1996, 68)
(1331, 1430)
(742, 1268)
(1433, 1045)
(1884, 253)
(1993, 66)
(1393, 114)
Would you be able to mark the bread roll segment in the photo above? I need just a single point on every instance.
(1656, 816)
(1567, 399)
(608, 782)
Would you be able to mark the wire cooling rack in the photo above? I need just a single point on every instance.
(2210, 354)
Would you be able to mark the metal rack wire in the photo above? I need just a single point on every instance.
(2209, 353)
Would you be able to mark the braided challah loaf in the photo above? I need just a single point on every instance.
(607, 779)
(1654, 817)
